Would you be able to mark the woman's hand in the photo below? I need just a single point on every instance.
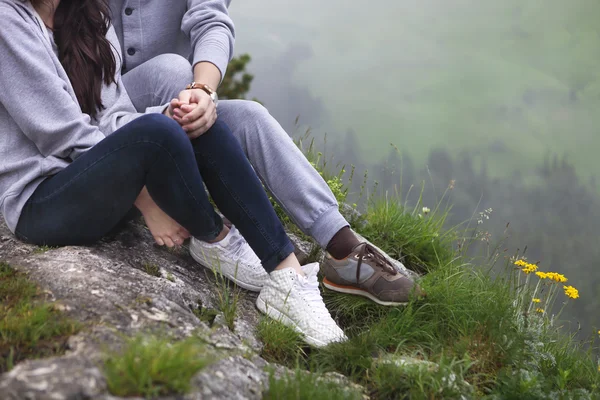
(164, 229)
(196, 112)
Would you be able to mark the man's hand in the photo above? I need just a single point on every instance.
(196, 112)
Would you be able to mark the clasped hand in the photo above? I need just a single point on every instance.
(194, 110)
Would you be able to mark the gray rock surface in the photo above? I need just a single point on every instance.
(104, 286)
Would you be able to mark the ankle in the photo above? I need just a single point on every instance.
(221, 235)
(291, 262)
(342, 243)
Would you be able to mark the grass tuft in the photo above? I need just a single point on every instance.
(282, 344)
(151, 366)
(29, 327)
(152, 269)
(228, 297)
(415, 238)
(302, 385)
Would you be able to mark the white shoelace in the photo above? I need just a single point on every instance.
(239, 249)
(309, 289)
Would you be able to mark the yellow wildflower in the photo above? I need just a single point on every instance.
(536, 300)
(539, 310)
(527, 267)
(557, 277)
(542, 275)
(530, 268)
(520, 263)
(571, 292)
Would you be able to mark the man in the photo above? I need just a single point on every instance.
(201, 32)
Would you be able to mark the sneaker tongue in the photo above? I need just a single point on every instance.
(311, 269)
(227, 239)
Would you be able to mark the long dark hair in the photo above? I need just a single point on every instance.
(80, 28)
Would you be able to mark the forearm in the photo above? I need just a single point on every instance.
(208, 73)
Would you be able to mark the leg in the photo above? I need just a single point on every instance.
(98, 189)
(157, 81)
(238, 193)
(92, 194)
(274, 156)
(286, 173)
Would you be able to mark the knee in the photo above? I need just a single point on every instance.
(251, 110)
(160, 128)
(174, 70)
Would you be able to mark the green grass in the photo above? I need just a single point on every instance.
(152, 269)
(227, 296)
(43, 249)
(29, 327)
(282, 344)
(301, 385)
(151, 366)
(473, 324)
(205, 314)
(410, 235)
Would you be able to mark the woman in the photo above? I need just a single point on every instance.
(62, 182)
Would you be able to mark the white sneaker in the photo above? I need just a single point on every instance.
(296, 301)
(233, 258)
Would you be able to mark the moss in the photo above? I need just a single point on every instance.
(151, 366)
(29, 327)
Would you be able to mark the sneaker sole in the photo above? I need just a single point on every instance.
(359, 292)
(248, 286)
(277, 315)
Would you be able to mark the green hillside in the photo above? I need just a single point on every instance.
(509, 81)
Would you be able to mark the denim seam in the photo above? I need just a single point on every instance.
(265, 235)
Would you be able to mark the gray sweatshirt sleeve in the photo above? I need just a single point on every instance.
(119, 110)
(212, 33)
(35, 96)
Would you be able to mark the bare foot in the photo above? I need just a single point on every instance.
(164, 229)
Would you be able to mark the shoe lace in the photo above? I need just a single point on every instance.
(368, 252)
(240, 250)
(309, 289)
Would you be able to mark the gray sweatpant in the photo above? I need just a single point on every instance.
(282, 167)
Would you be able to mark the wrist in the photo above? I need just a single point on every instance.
(206, 89)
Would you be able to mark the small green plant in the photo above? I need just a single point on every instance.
(314, 255)
(43, 249)
(151, 366)
(228, 297)
(29, 327)
(282, 344)
(204, 314)
(421, 380)
(143, 300)
(170, 277)
(302, 385)
(152, 269)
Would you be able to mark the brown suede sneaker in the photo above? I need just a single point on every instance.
(366, 272)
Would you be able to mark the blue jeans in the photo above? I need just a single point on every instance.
(86, 200)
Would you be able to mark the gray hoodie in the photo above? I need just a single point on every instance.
(42, 127)
(200, 30)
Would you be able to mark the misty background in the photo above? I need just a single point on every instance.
(500, 98)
